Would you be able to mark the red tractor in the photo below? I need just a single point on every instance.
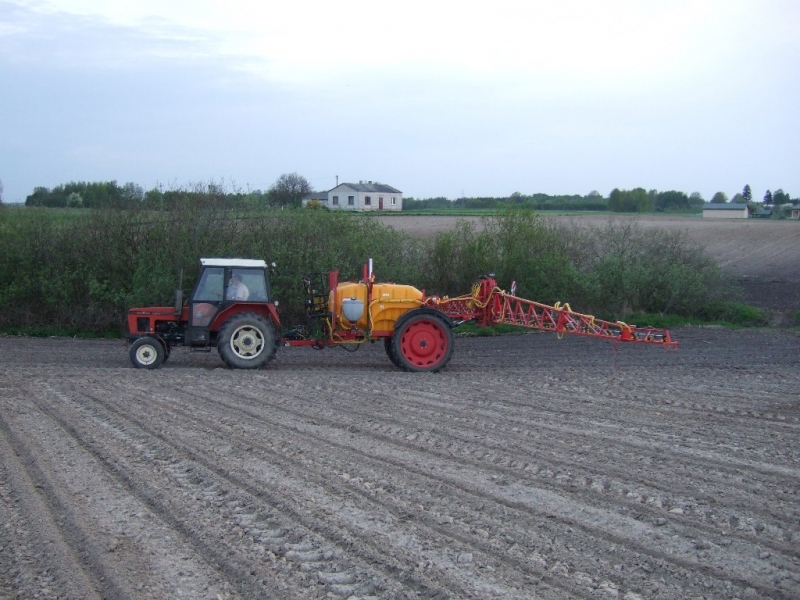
(231, 308)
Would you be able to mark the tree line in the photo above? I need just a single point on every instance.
(287, 191)
(290, 188)
(636, 200)
(776, 198)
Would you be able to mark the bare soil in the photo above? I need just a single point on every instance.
(531, 467)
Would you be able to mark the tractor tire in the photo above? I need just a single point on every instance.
(387, 344)
(147, 353)
(423, 343)
(247, 341)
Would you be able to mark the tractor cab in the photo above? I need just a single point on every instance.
(222, 283)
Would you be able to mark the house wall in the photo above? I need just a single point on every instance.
(344, 191)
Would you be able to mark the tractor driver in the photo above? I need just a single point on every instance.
(236, 289)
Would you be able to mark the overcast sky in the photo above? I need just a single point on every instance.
(436, 98)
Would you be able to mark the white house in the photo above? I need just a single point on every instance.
(725, 210)
(361, 196)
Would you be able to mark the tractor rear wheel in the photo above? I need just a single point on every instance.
(147, 353)
(247, 341)
(423, 342)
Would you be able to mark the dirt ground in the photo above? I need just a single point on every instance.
(531, 467)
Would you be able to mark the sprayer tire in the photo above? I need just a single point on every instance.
(423, 343)
(387, 344)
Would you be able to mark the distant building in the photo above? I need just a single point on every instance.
(361, 196)
(725, 210)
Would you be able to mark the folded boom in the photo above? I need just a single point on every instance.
(489, 305)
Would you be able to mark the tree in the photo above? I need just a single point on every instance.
(39, 197)
(768, 198)
(652, 196)
(719, 198)
(747, 193)
(1, 191)
(696, 199)
(780, 197)
(74, 200)
(738, 199)
(131, 195)
(671, 200)
(635, 200)
(289, 190)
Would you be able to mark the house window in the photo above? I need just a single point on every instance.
(367, 201)
(394, 201)
(351, 200)
(336, 200)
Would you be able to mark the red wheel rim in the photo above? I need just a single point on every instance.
(424, 343)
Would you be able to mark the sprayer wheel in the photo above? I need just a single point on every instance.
(423, 342)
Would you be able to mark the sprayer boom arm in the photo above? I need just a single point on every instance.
(489, 305)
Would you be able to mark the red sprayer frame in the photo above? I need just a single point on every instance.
(489, 305)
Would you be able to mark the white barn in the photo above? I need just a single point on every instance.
(361, 196)
(725, 210)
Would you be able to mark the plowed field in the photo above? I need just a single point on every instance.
(531, 467)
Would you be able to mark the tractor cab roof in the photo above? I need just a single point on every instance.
(233, 262)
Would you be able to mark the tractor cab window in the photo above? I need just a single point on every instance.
(211, 285)
(247, 285)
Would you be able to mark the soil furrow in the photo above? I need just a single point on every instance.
(530, 467)
(340, 450)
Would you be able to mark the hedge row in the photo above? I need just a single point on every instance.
(79, 272)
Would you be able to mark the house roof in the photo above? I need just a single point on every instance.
(724, 206)
(370, 186)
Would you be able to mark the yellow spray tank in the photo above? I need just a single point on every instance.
(376, 314)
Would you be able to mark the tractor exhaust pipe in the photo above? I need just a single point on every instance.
(368, 272)
(179, 295)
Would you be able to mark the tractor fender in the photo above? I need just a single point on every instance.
(423, 310)
(265, 310)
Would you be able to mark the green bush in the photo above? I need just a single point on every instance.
(640, 269)
(732, 312)
(619, 268)
(79, 270)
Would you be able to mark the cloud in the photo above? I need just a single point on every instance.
(435, 98)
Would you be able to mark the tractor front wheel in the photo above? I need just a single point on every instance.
(247, 341)
(147, 353)
(423, 342)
